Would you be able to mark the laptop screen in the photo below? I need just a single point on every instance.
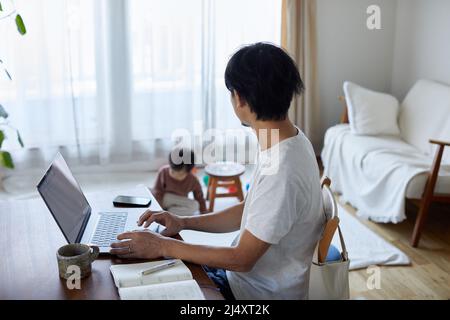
(64, 198)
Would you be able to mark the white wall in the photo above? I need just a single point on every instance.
(414, 43)
(422, 43)
(347, 50)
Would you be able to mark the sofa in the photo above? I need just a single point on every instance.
(384, 153)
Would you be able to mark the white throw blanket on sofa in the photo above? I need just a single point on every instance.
(372, 173)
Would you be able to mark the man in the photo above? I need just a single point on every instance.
(281, 220)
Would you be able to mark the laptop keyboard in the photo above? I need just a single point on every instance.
(109, 226)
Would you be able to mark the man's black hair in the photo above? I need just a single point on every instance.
(182, 159)
(266, 77)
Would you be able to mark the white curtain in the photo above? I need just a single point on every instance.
(299, 38)
(107, 82)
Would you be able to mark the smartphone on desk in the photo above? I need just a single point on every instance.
(131, 202)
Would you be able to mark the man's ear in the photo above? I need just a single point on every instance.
(240, 102)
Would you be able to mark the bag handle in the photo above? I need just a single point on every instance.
(330, 228)
(344, 253)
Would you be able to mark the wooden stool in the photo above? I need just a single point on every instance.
(224, 174)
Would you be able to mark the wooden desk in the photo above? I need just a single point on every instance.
(29, 238)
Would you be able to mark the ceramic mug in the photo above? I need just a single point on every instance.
(76, 255)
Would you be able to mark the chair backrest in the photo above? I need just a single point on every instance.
(425, 115)
(330, 209)
(329, 202)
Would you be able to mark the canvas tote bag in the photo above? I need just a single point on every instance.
(329, 280)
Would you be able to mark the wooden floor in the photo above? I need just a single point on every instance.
(429, 275)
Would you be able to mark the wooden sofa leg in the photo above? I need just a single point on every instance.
(427, 197)
(420, 221)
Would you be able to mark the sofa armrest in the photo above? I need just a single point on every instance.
(440, 143)
(344, 116)
(434, 172)
(437, 158)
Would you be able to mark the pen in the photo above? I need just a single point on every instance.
(159, 267)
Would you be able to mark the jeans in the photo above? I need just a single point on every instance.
(219, 277)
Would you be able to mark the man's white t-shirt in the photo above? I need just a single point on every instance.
(283, 208)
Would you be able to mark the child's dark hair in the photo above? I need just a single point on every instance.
(182, 159)
(266, 77)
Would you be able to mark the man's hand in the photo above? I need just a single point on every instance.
(173, 223)
(138, 245)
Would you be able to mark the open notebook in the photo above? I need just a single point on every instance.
(174, 283)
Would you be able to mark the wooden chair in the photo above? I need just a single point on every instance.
(331, 211)
(429, 196)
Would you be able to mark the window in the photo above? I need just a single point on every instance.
(177, 53)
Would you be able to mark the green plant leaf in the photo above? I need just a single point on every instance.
(2, 138)
(19, 138)
(20, 25)
(3, 113)
(1, 8)
(6, 160)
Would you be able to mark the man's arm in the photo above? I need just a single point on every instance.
(241, 258)
(228, 220)
(147, 245)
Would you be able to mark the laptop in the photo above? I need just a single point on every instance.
(73, 214)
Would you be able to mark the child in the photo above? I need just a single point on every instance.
(174, 183)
